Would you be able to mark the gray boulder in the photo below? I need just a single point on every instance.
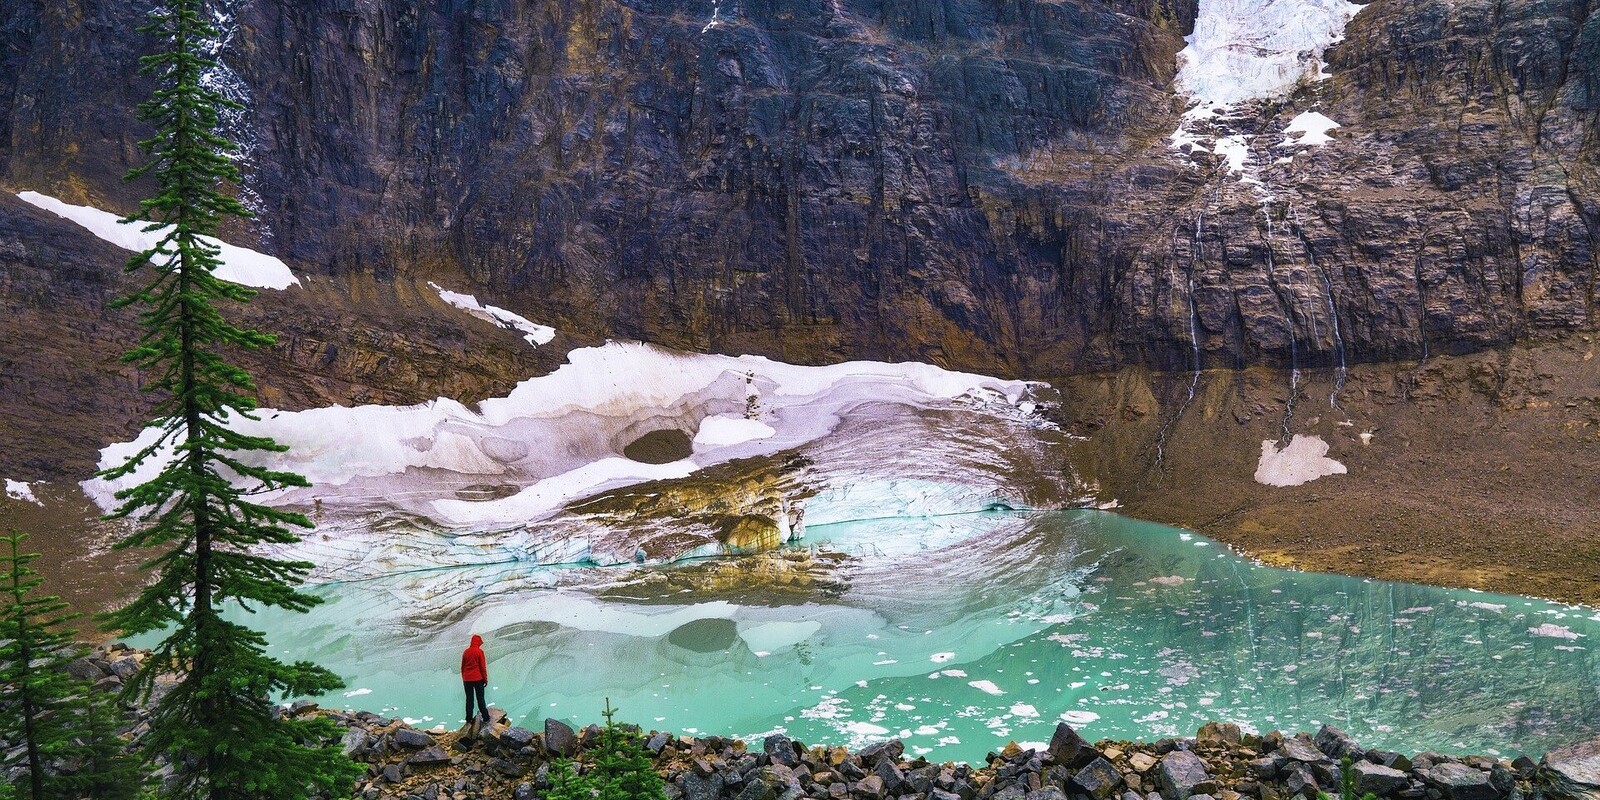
(1098, 779)
(1574, 771)
(1377, 778)
(1459, 782)
(559, 738)
(1183, 774)
(410, 738)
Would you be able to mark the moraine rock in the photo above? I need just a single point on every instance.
(1215, 734)
(1301, 750)
(1574, 771)
(430, 757)
(1098, 779)
(559, 738)
(1378, 779)
(410, 738)
(1068, 748)
(1183, 774)
(780, 749)
(1459, 782)
(1337, 744)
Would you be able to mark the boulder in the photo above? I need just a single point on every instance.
(410, 738)
(1301, 750)
(85, 669)
(1046, 793)
(1214, 734)
(1337, 744)
(432, 756)
(1098, 779)
(516, 738)
(1574, 771)
(559, 738)
(870, 787)
(355, 743)
(1301, 781)
(1183, 774)
(894, 749)
(780, 749)
(1377, 779)
(1142, 762)
(1459, 782)
(1067, 747)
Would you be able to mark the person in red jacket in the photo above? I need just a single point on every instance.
(475, 676)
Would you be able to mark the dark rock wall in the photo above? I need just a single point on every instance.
(981, 183)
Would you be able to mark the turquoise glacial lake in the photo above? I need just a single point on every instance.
(961, 633)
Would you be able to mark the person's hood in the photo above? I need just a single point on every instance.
(477, 641)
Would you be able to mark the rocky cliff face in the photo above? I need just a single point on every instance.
(987, 185)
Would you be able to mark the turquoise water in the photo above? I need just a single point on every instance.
(961, 633)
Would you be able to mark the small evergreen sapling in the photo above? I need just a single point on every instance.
(33, 652)
(622, 769)
(66, 731)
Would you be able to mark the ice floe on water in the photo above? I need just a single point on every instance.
(239, 264)
(1303, 460)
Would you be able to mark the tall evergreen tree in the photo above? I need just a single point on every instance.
(215, 727)
(33, 653)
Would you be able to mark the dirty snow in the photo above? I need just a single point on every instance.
(20, 490)
(533, 333)
(1302, 461)
(239, 265)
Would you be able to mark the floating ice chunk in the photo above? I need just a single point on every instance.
(1554, 631)
(1313, 128)
(724, 430)
(1077, 717)
(358, 692)
(20, 490)
(865, 729)
(533, 333)
(1024, 710)
(987, 687)
(940, 658)
(1302, 461)
(774, 636)
(239, 265)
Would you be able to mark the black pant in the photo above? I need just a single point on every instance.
(475, 688)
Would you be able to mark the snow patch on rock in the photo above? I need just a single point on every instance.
(1312, 128)
(239, 265)
(1305, 459)
(20, 490)
(533, 333)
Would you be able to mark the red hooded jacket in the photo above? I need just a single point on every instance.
(473, 666)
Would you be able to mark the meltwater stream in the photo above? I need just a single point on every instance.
(986, 628)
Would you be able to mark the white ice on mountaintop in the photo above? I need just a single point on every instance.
(533, 333)
(1254, 49)
(1244, 50)
(239, 264)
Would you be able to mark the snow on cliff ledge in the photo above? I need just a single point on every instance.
(239, 265)
(1251, 49)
